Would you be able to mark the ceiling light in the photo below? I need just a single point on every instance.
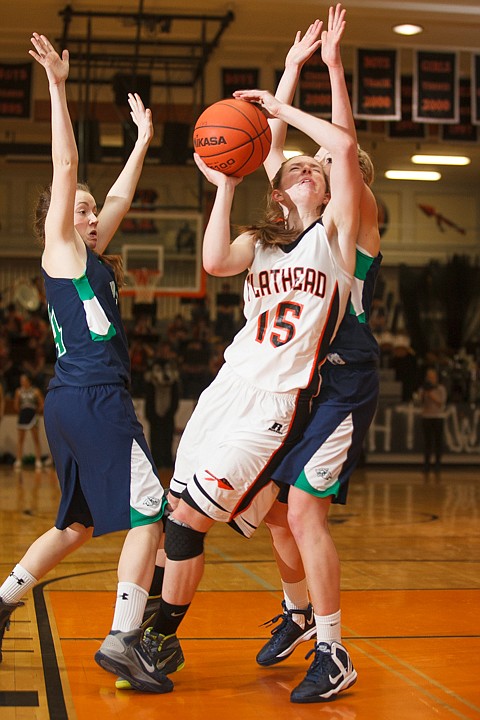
(407, 29)
(412, 175)
(292, 153)
(440, 160)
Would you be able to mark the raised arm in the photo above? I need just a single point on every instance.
(341, 109)
(59, 228)
(368, 235)
(301, 50)
(221, 257)
(119, 197)
(341, 216)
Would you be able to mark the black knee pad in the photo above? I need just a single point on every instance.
(182, 542)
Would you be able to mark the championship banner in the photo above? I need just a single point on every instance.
(435, 87)
(15, 90)
(238, 79)
(360, 125)
(376, 86)
(475, 90)
(315, 95)
(463, 131)
(406, 127)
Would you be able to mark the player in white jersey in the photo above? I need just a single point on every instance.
(318, 469)
(300, 269)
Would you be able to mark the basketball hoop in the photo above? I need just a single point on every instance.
(144, 283)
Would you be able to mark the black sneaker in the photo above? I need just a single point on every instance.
(287, 635)
(123, 653)
(164, 652)
(151, 609)
(5, 612)
(330, 672)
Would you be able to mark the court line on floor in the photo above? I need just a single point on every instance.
(352, 643)
(253, 576)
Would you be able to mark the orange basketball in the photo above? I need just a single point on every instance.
(232, 136)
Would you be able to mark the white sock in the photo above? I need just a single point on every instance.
(16, 585)
(329, 627)
(130, 606)
(296, 598)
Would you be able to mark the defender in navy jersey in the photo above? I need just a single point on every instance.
(299, 275)
(107, 476)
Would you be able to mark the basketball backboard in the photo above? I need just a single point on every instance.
(167, 247)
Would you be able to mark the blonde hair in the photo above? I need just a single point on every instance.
(366, 166)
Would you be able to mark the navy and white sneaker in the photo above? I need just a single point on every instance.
(287, 635)
(123, 654)
(330, 672)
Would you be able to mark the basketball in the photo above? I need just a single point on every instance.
(232, 136)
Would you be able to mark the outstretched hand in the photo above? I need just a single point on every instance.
(45, 54)
(215, 176)
(268, 103)
(332, 36)
(141, 116)
(304, 47)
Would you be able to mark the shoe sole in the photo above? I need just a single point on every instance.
(286, 653)
(118, 667)
(347, 683)
(123, 684)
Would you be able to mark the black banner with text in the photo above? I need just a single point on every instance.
(376, 87)
(15, 90)
(435, 87)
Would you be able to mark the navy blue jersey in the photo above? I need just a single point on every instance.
(354, 341)
(87, 329)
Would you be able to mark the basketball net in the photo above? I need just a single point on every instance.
(145, 282)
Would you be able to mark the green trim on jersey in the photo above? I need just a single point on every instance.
(363, 263)
(303, 484)
(57, 331)
(137, 519)
(101, 329)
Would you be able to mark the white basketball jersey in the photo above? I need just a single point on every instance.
(295, 296)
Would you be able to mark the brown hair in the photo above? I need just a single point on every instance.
(40, 215)
(272, 230)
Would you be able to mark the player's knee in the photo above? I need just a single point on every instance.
(182, 542)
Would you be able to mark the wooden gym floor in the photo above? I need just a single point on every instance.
(410, 550)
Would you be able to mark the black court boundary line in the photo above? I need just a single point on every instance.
(57, 707)
(18, 698)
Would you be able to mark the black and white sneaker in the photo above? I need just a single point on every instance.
(286, 636)
(330, 672)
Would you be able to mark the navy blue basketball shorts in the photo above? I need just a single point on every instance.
(322, 462)
(107, 475)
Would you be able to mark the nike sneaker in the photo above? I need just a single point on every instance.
(330, 672)
(164, 651)
(123, 654)
(287, 635)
